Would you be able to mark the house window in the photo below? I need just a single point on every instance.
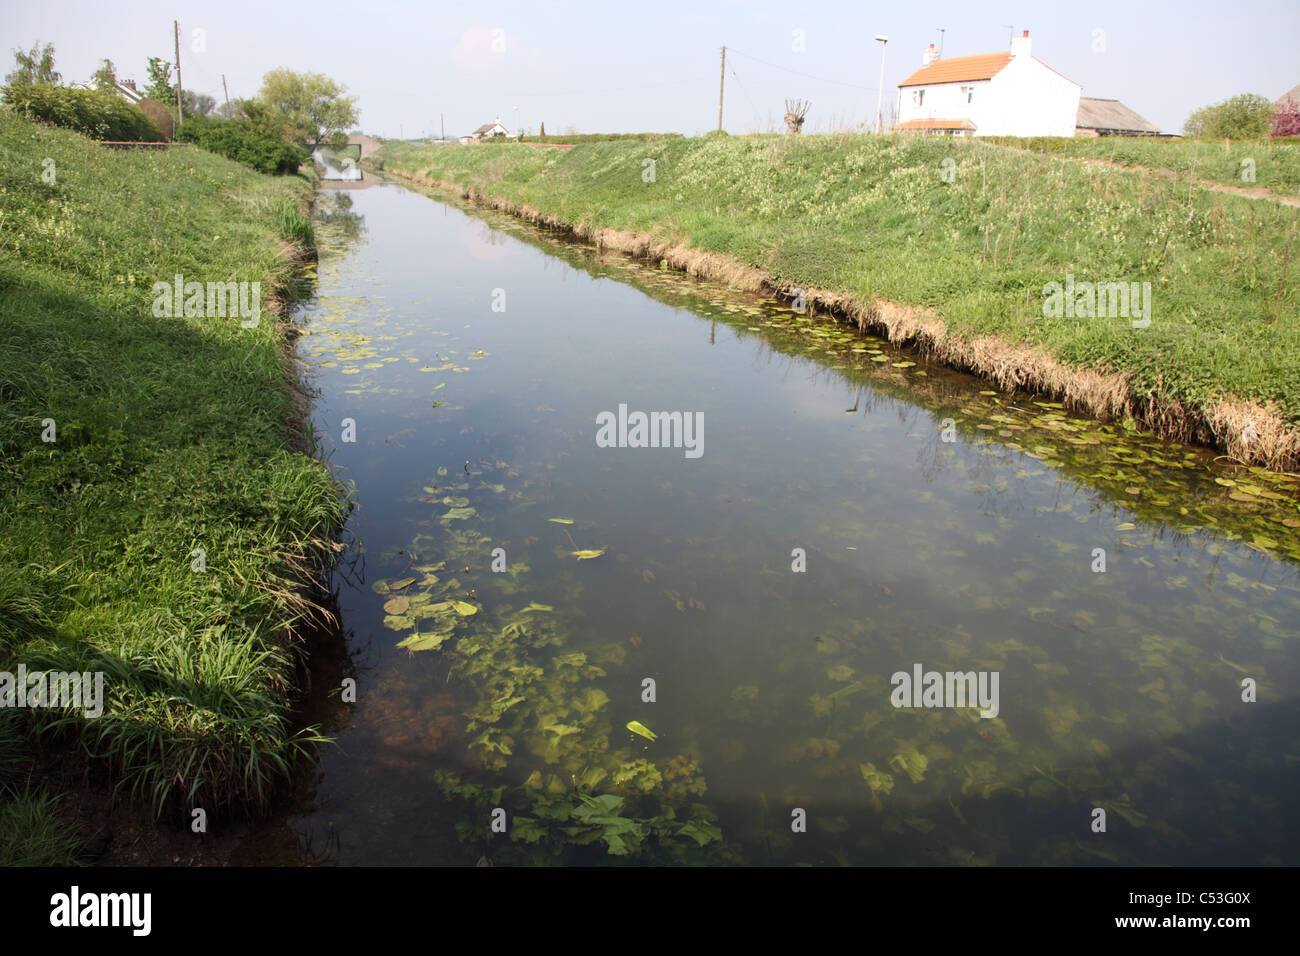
(968, 92)
(918, 97)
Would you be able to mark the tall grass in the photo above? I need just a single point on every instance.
(31, 833)
(171, 438)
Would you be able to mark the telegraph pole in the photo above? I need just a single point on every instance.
(224, 89)
(722, 79)
(180, 114)
(442, 123)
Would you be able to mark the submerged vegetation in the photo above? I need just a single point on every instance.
(952, 244)
(156, 527)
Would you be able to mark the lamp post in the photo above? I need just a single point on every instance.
(884, 42)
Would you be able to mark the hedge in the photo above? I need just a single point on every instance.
(265, 152)
(98, 114)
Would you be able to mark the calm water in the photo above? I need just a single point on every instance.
(940, 524)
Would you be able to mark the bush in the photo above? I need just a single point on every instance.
(233, 139)
(160, 116)
(1247, 116)
(100, 115)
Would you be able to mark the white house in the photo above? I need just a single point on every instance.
(124, 88)
(990, 94)
(489, 131)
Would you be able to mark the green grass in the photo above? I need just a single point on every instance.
(874, 218)
(171, 436)
(31, 834)
(1275, 166)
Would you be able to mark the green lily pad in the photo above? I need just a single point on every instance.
(639, 728)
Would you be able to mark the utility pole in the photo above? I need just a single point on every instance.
(442, 123)
(225, 89)
(880, 93)
(722, 79)
(180, 114)
(942, 31)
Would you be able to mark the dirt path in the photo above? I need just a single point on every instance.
(1257, 192)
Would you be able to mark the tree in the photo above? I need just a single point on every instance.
(309, 108)
(229, 110)
(105, 78)
(197, 104)
(795, 111)
(35, 66)
(1246, 116)
(1286, 118)
(160, 87)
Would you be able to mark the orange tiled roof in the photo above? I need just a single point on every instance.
(983, 66)
(936, 124)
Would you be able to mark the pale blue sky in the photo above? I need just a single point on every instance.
(631, 67)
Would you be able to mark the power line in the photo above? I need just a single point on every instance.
(821, 79)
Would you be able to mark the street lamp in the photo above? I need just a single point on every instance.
(884, 42)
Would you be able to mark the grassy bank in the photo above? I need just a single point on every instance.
(156, 526)
(1271, 165)
(951, 243)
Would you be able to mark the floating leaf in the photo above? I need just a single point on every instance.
(587, 555)
(425, 642)
(639, 728)
(399, 584)
(397, 605)
(464, 609)
(561, 520)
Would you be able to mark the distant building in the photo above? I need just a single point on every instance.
(990, 94)
(492, 130)
(1099, 117)
(124, 88)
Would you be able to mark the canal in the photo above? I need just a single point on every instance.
(791, 598)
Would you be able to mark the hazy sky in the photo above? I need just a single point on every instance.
(618, 66)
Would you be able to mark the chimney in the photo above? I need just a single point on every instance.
(129, 84)
(1020, 45)
(929, 56)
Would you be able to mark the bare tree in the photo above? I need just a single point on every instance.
(795, 111)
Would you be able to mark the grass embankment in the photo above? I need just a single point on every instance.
(1242, 165)
(877, 232)
(170, 436)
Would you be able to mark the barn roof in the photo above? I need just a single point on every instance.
(1110, 114)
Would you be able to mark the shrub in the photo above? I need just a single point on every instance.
(94, 113)
(160, 116)
(235, 140)
(1247, 116)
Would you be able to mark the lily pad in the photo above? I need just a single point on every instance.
(639, 728)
